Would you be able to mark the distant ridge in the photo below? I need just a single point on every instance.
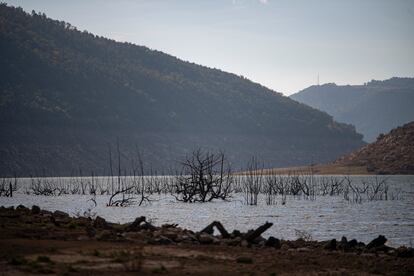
(374, 108)
(68, 97)
(392, 153)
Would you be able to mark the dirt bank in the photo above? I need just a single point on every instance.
(38, 241)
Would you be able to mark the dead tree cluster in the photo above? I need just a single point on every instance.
(253, 182)
(8, 186)
(204, 176)
(370, 189)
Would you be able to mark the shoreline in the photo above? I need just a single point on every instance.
(322, 169)
(87, 245)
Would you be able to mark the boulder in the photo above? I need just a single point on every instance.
(343, 244)
(405, 252)
(90, 231)
(105, 235)
(21, 207)
(162, 240)
(172, 235)
(100, 222)
(35, 210)
(60, 214)
(205, 238)
(236, 233)
(273, 242)
(353, 243)
(377, 242)
(331, 245)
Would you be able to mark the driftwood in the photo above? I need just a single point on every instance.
(141, 223)
(210, 229)
(250, 237)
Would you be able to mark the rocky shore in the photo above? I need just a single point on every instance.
(30, 235)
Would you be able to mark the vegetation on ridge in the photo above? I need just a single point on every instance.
(66, 94)
(375, 107)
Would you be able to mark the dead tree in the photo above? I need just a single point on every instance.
(123, 200)
(253, 181)
(144, 197)
(7, 190)
(251, 236)
(210, 229)
(204, 176)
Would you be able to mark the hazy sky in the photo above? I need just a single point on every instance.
(280, 44)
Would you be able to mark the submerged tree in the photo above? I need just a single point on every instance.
(204, 176)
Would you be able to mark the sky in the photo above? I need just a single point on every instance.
(282, 44)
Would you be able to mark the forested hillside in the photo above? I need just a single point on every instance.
(374, 108)
(67, 97)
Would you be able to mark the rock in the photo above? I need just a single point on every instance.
(134, 236)
(361, 244)
(331, 245)
(259, 240)
(170, 235)
(244, 243)
(137, 222)
(186, 238)
(35, 210)
(236, 233)
(205, 238)
(90, 231)
(140, 224)
(163, 240)
(303, 249)
(83, 238)
(232, 242)
(284, 247)
(45, 213)
(58, 218)
(382, 248)
(105, 235)
(191, 236)
(60, 214)
(167, 225)
(377, 242)
(343, 244)
(52, 219)
(21, 207)
(82, 221)
(157, 234)
(100, 222)
(352, 243)
(404, 252)
(273, 242)
(216, 241)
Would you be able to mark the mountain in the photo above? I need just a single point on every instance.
(374, 108)
(69, 97)
(392, 153)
